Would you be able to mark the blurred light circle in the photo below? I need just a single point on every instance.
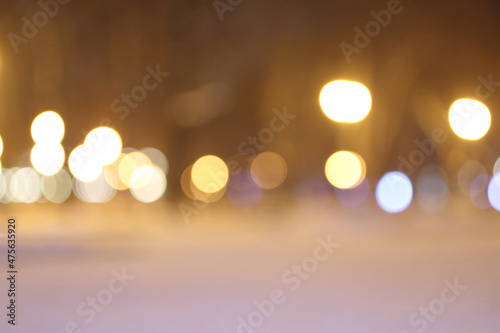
(57, 188)
(469, 119)
(78, 190)
(105, 144)
(141, 176)
(186, 184)
(207, 197)
(3, 183)
(25, 185)
(394, 192)
(496, 167)
(5, 179)
(345, 169)
(47, 158)
(353, 196)
(268, 170)
(154, 189)
(345, 101)
(129, 164)
(432, 189)
(98, 190)
(494, 192)
(112, 176)
(242, 191)
(1, 146)
(157, 158)
(209, 174)
(47, 127)
(479, 192)
(467, 173)
(94, 191)
(83, 165)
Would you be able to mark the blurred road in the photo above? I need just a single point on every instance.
(201, 277)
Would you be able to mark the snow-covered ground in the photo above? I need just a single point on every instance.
(387, 273)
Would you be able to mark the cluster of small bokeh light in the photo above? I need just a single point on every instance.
(100, 167)
(142, 172)
(209, 179)
(101, 147)
(97, 169)
(350, 102)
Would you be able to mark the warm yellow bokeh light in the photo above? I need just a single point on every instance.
(112, 176)
(204, 196)
(469, 119)
(1, 146)
(345, 169)
(106, 144)
(268, 170)
(345, 101)
(47, 158)
(47, 127)
(129, 164)
(186, 183)
(209, 174)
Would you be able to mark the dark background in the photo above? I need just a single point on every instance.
(263, 55)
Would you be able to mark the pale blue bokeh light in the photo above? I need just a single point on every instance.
(394, 192)
(494, 192)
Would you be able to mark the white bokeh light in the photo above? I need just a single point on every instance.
(469, 119)
(57, 188)
(47, 127)
(154, 188)
(83, 165)
(25, 185)
(47, 158)
(105, 144)
(94, 191)
(345, 101)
